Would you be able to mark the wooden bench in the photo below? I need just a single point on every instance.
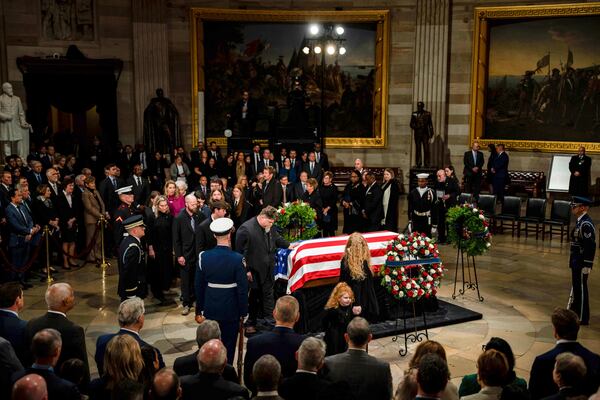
(531, 182)
(341, 175)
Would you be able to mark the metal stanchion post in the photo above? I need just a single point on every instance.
(49, 278)
(104, 265)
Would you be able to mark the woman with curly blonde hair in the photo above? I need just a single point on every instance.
(338, 315)
(122, 360)
(355, 270)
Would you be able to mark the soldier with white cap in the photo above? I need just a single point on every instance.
(124, 211)
(221, 286)
(421, 201)
(132, 259)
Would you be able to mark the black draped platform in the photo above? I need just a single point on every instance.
(438, 312)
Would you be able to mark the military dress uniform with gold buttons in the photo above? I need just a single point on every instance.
(581, 260)
(132, 261)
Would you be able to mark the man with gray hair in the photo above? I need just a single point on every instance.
(212, 359)
(305, 384)
(30, 387)
(35, 177)
(569, 375)
(53, 177)
(60, 299)
(266, 374)
(165, 385)
(46, 351)
(368, 377)
(131, 321)
(188, 364)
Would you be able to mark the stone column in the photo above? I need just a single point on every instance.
(431, 71)
(150, 56)
(3, 63)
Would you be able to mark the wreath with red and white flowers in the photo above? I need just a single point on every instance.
(412, 268)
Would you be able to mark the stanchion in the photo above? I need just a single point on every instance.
(103, 265)
(49, 278)
(415, 336)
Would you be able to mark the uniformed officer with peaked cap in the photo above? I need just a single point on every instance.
(421, 201)
(221, 286)
(132, 259)
(124, 211)
(581, 260)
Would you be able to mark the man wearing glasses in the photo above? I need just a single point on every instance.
(583, 249)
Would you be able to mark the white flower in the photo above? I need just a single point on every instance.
(481, 216)
(401, 269)
(397, 258)
(488, 244)
(396, 287)
(400, 294)
(387, 278)
(432, 271)
(408, 285)
(426, 252)
(428, 286)
(475, 210)
(394, 272)
(429, 278)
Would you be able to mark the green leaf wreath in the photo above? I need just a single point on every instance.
(297, 221)
(469, 229)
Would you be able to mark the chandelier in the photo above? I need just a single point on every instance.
(325, 39)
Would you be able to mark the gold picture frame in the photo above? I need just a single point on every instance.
(484, 18)
(380, 100)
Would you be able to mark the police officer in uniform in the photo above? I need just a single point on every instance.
(583, 249)
(132, 280)
(421, 203)
(124, 211)
(221, 286)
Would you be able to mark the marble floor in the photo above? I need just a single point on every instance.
(521, 279)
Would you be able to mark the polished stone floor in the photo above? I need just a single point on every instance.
(521, 279)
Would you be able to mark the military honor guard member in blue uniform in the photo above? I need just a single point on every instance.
(132, 260)
(221, 286)
(124, 211)
(581, 260)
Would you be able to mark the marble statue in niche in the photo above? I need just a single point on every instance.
(67, 20)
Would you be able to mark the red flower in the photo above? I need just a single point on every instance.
(387, 270)
(427, 295)
(390, 258)
(394, 292)
(282, 211)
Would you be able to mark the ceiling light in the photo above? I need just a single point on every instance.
(330, 50)
(314, 29)
(317, 50)
(306, 50)
(342, 51)
(339, 30)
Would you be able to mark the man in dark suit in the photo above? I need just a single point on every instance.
(53, 182)
(321, 157)
(432, 377)
(500, 171)
(12, 328)
(271, 194)
(295, 162)
(245, 114)
(185, 245)
(566, 328)
(282, 156)
(46, 349)
(306, 384)
(373, 211)
(255, 161)
(287, 190)
(258, 242)
(282, 342)
(569, 375)
(107, 188)
(213, 152)
(580, 166)
(313, 168)
(139, 185)
(267, 375)
(188, 364)
(206, 239)
(212, 359)
(369, 378)
(61, 299)
(131, 321)
(9, 364)
(5, 185)
(473, 162)
(300, 186)
(127, 161)
(266, 161)
(36, 177)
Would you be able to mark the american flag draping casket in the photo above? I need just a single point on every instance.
(320, 258)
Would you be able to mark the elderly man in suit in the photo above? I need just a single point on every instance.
(300, 186)
(306, 384)
(566, 327)
(212, 359)
(267, 374)
(473, 161)
(131, 321)
(580, 166)
(46, 348)
(185, 245)
(282, 342)
(12, 328)
(373, 210)
(313, 168)
(23, 234)
(188, 364)
(60, 299)
(368, 377)
(258, 242)
(9, 364)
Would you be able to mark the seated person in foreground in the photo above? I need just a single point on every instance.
(306, 384)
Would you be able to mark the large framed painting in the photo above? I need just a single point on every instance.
(536, 77)
(305, 72)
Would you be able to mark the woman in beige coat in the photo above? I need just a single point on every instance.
(93, 209)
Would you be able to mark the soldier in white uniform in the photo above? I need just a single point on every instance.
(14, 129)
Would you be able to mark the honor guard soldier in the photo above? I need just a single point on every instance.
(132, 280)
(221, 286)
(421, 202)
(583, 249)
(124, 211)
(446, 192)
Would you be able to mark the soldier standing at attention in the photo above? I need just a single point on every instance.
(421, 201)
(124, 211)
(581, 260)
(132, 281)
(221, 286)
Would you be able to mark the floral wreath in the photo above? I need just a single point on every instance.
(296, 221)
(412, 267)
(469, 229)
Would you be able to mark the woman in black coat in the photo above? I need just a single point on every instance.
(329, 196)
(67, 217)
(356, 272)
(160, 248)
(156, 171)
(313, 198)
(391, 193)
(241, 209)
(228, 170)
(353, 202)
